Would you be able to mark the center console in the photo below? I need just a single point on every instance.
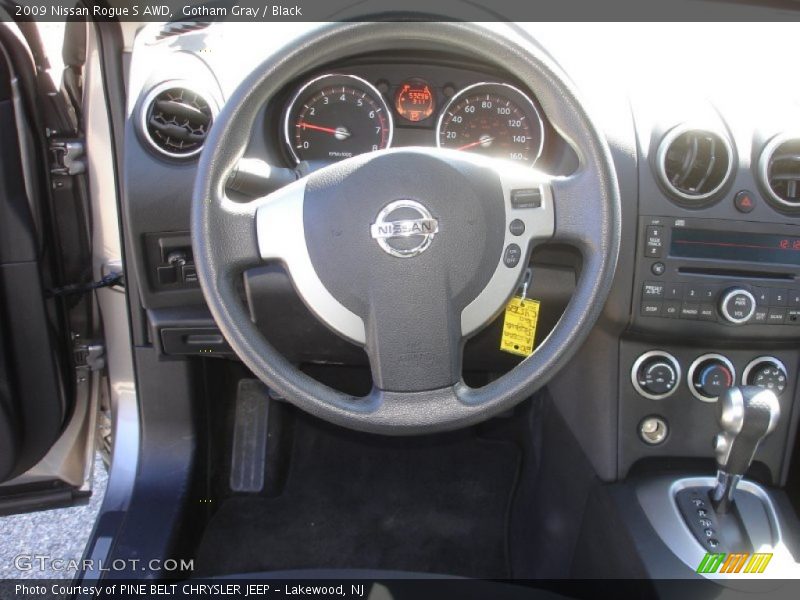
(713, 330)
(716, 303)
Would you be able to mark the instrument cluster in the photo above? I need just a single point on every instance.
(334, 116)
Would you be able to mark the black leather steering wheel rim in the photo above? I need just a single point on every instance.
(587, 216)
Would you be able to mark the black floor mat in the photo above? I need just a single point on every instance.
(436, 505)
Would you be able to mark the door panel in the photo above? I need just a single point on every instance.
(34, 399)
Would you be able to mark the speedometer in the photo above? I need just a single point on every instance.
(493, 119)
(336, 116)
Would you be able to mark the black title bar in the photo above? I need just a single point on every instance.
(261, 11)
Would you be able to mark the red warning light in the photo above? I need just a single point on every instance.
(414, 100)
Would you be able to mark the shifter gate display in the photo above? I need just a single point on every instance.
(519, 326)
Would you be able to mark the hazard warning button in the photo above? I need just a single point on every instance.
(744, 201)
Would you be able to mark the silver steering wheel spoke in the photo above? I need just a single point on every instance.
(529, 220)
(281, 238)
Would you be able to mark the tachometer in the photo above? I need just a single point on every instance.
(493, 119)
(336, 116)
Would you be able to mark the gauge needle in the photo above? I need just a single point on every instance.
(340, 132)
(483, 140)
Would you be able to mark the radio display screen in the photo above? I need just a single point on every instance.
(735, 246)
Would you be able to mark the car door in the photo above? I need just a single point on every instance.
(46, 352)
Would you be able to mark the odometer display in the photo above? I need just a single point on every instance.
(493, 119)
(414, 100)
(337, 116)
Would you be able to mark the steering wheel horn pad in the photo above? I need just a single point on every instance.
(406, 251)
(410, 307)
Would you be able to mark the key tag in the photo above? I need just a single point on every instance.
(519, 322)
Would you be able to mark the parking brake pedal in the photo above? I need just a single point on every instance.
(249, 454)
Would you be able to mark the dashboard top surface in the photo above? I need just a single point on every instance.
(638, 81)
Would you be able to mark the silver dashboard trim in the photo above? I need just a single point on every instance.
(471, 88)
(151, 95)
(661, 155)
(657, 499)
(723, 306)
(539, 225)
(696, 363)
(762, 359)
(763, 166)
(290, 107)
(652, 354)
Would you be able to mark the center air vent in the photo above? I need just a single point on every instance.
(694, 164)
(176, 119)
(779, 171)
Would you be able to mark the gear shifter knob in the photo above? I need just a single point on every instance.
(747, 415)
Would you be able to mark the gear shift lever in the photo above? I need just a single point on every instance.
(747, 415)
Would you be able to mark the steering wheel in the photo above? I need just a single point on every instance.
(407, 251)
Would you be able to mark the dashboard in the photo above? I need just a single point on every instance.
(707, 290)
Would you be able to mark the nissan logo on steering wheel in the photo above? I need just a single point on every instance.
(404, 228)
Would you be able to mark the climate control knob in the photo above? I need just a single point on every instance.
(737, 305)
(766, 372)
(656, 375)
(709, 376)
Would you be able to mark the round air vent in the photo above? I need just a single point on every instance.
(176, 119)
(694, 164)
(779, 171)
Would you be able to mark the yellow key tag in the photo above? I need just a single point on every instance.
(519, 326)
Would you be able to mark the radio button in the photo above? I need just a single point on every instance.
(673, 291)
(761, 314)
(794, 299)
(708, 293)
(655, 241)
(690, 311)
(651, 309)
(672, 309)
(793, 316)
(707, 312)
(737, 306)
(658, 268)
(693, 293)
(652, 289)
(777, 297)
(762, 296)
(776, 316)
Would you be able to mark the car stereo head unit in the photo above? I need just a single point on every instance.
(726, 274)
